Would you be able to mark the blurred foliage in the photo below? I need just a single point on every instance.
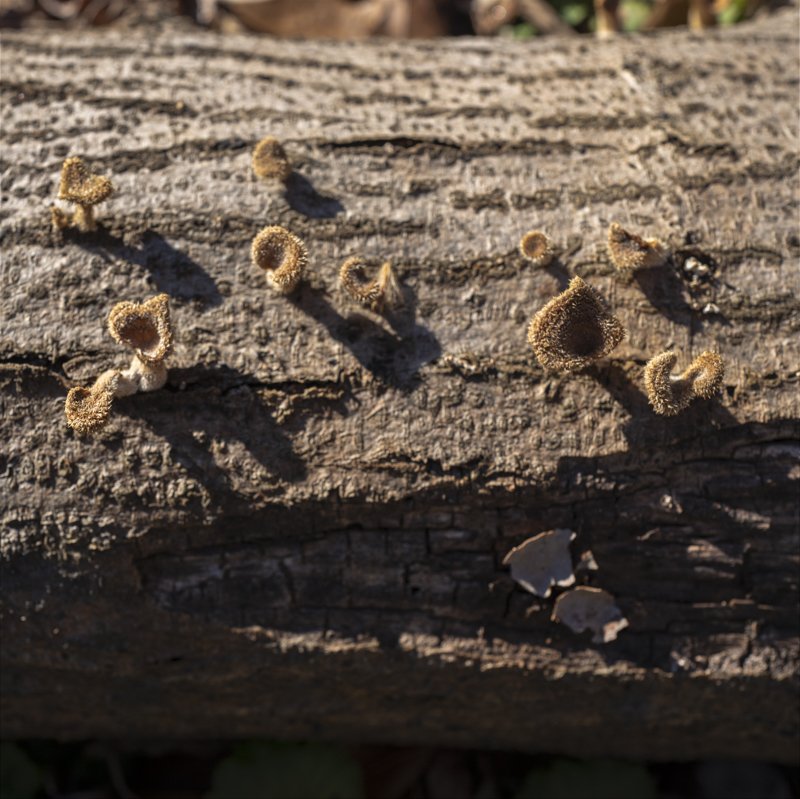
(274, 770)
(20, 778)
(287, 771)
(633, 14)
(522, 31)
(589, 779)
(428, 17)
(574, 12)
(732, 12)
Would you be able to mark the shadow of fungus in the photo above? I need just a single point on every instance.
(392, 348)
(173, 272)
(557, 268)
(302, 197)
(217, 405)
(664, 290)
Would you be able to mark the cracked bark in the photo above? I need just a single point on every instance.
(302, 535)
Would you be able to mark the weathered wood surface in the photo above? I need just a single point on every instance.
(302, 535)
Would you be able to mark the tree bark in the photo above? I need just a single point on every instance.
(302, 535)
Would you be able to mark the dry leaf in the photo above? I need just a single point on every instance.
(586, 608)
(542, 561)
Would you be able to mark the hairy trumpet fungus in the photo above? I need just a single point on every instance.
(382, 292)
(85, 190)
(574, 329)
(270, 160)
(145, 327)
(147, 330)
(628, 251)
(670, 394)
(537, 248)
(87, 409)
(282, 255)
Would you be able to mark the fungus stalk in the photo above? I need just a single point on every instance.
(537, 248)
(574, 329)
(282, 255)
(270, 160)
(381, 293)
(78, 186)
(670, 394)
(628, 251)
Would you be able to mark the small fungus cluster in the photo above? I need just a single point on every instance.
(144, 328)
(576, 328)
(284, 257)
(573, 330)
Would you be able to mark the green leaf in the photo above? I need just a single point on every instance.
(287, 771)
(589, 779)
(20, 777)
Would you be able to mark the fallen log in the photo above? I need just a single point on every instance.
(302, 535)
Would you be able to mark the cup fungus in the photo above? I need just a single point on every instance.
(537, 248)
(542, 562)
(628, 251)
(586, 608)
(270, 160)
(574, 329)
(382, 292)
(670, 394)
(85, 190)
(282, 255)
(147, 330)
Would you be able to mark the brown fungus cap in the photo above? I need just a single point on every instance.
(144, 327)
(670, 394)
(628, 251)
(282, 255)
(537, 248)
(354, 282)
(88, 409)
(382, 292)
(574, 329)
(270, 160)
(79, 186)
